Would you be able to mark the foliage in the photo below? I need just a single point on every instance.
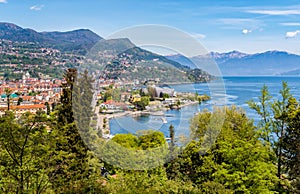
(26, 147)
(141, 105)
(291, 144)
(126, 140)
(237, 162)
(148, 182)
(146, 140)
(46, 153)
(263, 110)
(71, 150)
(273, 125)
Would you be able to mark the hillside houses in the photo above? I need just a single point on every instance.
(19, 110)
(28, 94)
(112, 105)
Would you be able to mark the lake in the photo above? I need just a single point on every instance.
(228, 91)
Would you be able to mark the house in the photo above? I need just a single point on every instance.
(164, 90)
(112, 105)
(109, 105)
(19, 110)
(171, 101)
(135, 98)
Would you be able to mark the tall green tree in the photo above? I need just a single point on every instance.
(280, 121)
(291, 145)
(274, 121)
(172, 136)
(48, 108)
(8, 93)
(26, 147)
(263, 109)
(71, 150)
(65, 115)
(20, 100)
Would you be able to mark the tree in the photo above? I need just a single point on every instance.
(280, 114)
(26, 148)
(141, 105)
(107, 95)
(164, 96)
(147, 182)
(65, 115)
(291, 145)
(152, 92)
(151, 139)
(71, 149)
(53, 106)
(126, 140)
(172, 136)
(145, 140)
(274, 123)
(236, 163)
(8, 92)
(263, 109)
(48, 108)
(20, 100)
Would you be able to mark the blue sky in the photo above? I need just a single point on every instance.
(220, 25)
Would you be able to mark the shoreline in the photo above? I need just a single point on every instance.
(139, 113)
(108, 117)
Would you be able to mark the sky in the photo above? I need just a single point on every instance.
(220, 25)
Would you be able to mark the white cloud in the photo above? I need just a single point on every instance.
(290, 24)
(236, 21)
(36, 7)
(246, 31)
(3, 1)
(199, 36)
(275, 12)
(292, 34)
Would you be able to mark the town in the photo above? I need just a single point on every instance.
(127, 83)
(114, 98)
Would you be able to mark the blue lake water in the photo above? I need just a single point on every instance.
(228, 91)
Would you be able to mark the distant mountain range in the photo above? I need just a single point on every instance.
(241, 64)
(232, 63)
(78, 40)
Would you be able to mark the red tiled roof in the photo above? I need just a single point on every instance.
(35, 106)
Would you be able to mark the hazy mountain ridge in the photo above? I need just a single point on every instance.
(236, 63)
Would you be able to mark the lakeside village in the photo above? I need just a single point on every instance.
(114, 98)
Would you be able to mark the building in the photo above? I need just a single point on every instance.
(164, 90)
(19, 110)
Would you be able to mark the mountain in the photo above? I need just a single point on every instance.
(223, 57)
(292, 73)
(235, 63)
(182, 60)
(267, 63)
(121, 59)
(78, 40)
(116, 58)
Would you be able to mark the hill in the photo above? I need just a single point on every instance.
(121, 59)
(78, 40)
(23, 49)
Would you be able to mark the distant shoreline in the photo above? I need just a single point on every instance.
(138, 113)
